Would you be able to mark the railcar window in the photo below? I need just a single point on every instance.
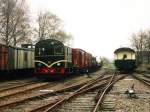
(58, 50)
(124, 56)
(41, 51)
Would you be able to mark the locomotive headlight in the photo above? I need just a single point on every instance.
(58, 64)
(39, 64)
(52, 43)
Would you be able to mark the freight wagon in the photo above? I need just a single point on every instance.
(14, 59)
(82, 61)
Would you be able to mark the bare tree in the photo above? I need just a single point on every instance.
(147, 44)
(50, 27)
(14, 22)
(139, 43)
(147, 41)
(135, 42)
(64, 37)
(49, 24)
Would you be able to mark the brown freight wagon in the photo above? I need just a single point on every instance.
(88, 61)
(78, 60)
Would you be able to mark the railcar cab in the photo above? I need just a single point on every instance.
(125, 59)
(124, 54)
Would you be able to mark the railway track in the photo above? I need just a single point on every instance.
(18, 86)
(86, 101)
(5, 93)
(85, 95)
(139, 101)
(10, 84)
(84, 89)
(142, 78)
(21, 96)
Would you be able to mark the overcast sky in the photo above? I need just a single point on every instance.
(98, 26)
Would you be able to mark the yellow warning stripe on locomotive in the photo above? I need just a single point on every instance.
(50, 64)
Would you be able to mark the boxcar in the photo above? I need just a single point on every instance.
(14, 59)
(89, 60)
(78, 60)
(82, 61)
(21, 59)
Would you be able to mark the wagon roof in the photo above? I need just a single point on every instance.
(78, 49)
(17, 48)
(124, 49)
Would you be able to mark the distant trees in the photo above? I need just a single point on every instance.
(15, 25)
(48, 24)
(105, 62)
(14, 22)
(138, 41)
(141, 42)
(63, 37)
(50, 27)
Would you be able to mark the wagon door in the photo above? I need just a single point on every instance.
(12, 58)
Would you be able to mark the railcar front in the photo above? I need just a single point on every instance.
(125, 59)
(52, 58)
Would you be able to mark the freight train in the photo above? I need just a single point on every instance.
(53, 58)
(16, 60)
(125, 59)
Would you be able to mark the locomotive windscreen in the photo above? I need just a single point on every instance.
(48, 48)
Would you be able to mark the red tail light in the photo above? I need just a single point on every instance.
(62, 71)
(44, 70)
